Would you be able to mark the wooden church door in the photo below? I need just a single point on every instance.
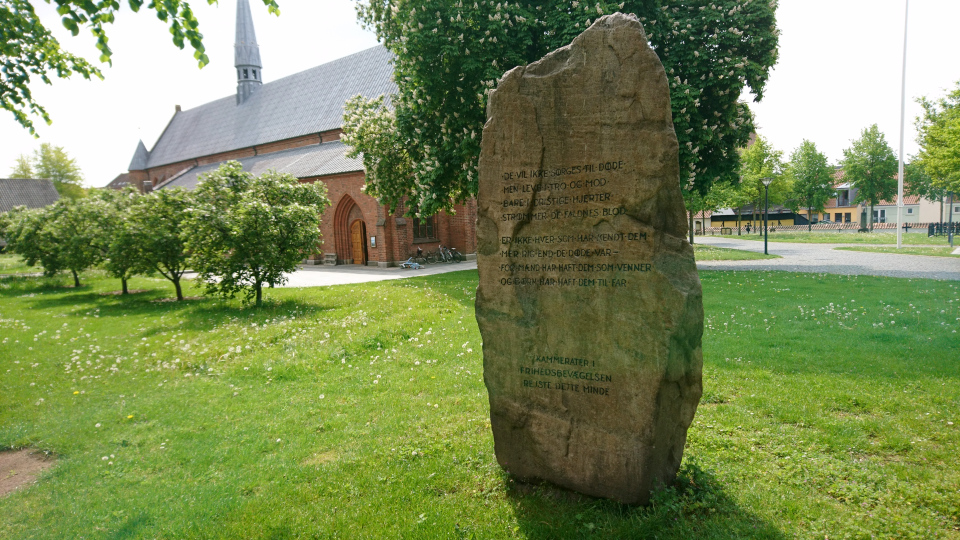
(358, 235)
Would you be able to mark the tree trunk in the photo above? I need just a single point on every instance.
(259, 287)
(739, 220)
(176, 283)
(809, 219)
(691, 227)
(123, 281)
(76, 278)
(870, 217)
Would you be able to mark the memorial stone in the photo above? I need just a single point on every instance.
(589, 302)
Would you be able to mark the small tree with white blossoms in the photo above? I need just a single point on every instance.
(244, 231)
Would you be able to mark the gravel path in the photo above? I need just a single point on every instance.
(823, 258)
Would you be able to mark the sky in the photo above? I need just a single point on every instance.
(839, 72)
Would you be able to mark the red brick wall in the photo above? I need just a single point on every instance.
(287, 144)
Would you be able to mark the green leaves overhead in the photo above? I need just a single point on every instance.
(450, 55)
(28, 48)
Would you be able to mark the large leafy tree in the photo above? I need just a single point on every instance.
(938, 133)
(53, 163)
(244, 232)
(916, 181)
(28, 48)
(156, 230)
(22, 168)
(758, 161)
(812, 179)
(114, 239)
(450, 54)
(871, 166)
(62, 236)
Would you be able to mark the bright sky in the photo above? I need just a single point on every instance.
(839, 72)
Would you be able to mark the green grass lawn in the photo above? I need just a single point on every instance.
(13, 264)
(931, 251)
(831, 409)
(705, 252)
(834, 237)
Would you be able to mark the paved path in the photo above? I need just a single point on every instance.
(823, 258)
(316, 276)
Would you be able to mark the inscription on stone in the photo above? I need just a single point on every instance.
(589, 302)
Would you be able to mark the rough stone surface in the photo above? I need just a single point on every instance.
(589, 302)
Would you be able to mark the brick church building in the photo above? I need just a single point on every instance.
(293, 125)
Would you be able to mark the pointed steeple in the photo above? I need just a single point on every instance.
(140, 157)
(246, 54)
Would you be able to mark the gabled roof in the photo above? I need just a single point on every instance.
(26, 192)
(301, 104)
(304, 162)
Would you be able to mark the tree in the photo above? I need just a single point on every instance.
(24, 233)
(758, 161)
(732, 195)
(29, 49)
(114, 239)
(938, 133)
(812, 179)
(62, 236)
(871, 166)
(917, 182)
(245, 231)
(23, 168)
(450, 55)
(156, 226)
(53, 163)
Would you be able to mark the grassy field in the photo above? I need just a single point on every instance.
(931, 251)
(831, 409)
(834, 237)
(705, 252)
(13, 264)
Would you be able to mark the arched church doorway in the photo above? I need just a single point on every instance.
(350, 232)
(358, 241)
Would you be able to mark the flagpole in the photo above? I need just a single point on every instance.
(903, 108)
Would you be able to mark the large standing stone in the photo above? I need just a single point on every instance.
(589, 302)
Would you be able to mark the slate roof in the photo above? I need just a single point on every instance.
(301, 104)
(303, 162)
(26, 192)
(246, 50)
(140, 157)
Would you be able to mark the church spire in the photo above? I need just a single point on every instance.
(246, 54)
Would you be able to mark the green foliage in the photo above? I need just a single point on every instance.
(53, 163)
(811, 178)
(25, 235)
(156, 228)
(245, 231)
(114, 239)
(938, 133)
(758, 161)
(871, 166)
(23, 168)
(450, 55)
(28, 48)
(916, 181)
(62, 236)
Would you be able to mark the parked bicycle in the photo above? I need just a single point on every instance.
(447, 254)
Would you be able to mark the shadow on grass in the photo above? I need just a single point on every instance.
(695, 506)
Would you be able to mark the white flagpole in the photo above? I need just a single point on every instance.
(903, 108)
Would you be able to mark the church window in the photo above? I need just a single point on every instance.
(254, 74)
(423, 228)
(246, 74)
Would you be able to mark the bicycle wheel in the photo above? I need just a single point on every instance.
(431, 257)
(457, 257)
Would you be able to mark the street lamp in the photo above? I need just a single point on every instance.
(766, 209)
